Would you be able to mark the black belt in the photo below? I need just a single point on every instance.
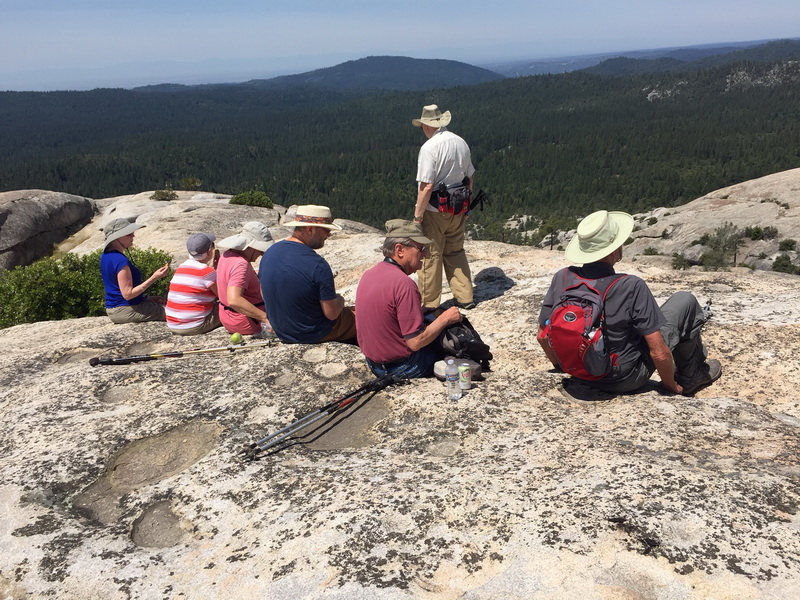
(387, 365)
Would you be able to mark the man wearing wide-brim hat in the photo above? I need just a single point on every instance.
(643, 337)
(392, 332)
(445, 179)
(298, 287)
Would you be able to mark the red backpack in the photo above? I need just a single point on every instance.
(576, 328)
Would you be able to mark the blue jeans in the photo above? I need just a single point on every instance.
(419, 364)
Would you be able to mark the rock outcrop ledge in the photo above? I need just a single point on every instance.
(127, 481)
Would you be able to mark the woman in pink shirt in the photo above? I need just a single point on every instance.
(242, 307)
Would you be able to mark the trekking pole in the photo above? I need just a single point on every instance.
(707, 314)
(126, 360)
(251, 451)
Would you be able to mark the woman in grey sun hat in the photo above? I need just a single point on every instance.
(239, 291)
(126, 301)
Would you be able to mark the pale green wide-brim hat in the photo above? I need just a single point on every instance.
(432, 116)
(598, 235)
(113, 230)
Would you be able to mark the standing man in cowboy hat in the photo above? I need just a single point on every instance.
(444, 169)
(644, 337)
(297, 284)
(392, 331)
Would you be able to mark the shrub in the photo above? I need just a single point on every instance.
(770, 232)
(650, 251)
(191, 183)
(680, 262)
(783, 264)
(164, 195)
(252, 198)
(68, 287)
(787, 245)
(754, 233)
(651, 221)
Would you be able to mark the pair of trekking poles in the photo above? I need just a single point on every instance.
(283, 438)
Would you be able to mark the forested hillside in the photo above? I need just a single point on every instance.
(550, 146)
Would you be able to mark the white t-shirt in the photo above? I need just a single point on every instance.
(445, 157)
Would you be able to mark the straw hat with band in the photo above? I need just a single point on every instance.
(312, 215)
(253, 235)
(118, 228)
(400, 228)
(432, 116)
(598, 235)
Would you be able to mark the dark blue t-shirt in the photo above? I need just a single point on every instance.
(111, 263)
(294, 279)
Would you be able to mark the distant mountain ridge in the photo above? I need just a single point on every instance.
(683, 60)
(682, 54)
(391, 73)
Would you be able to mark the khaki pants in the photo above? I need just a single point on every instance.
(447, 249)
(345, 328)
(139, 313)
(210, 323)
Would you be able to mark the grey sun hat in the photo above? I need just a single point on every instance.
(118, 228)
(199, 244)
(598, 235)
(313, 215)
(253, 235)
(400, 228)
(432, 116)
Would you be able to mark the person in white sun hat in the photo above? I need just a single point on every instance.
(237, 283)
(640, 336)
(445, 181)
(297, 284)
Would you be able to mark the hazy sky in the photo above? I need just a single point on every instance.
(46, 44)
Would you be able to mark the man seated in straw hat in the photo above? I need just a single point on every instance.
(392, 332)
(297, 284)
(644, 337)
(443, 159)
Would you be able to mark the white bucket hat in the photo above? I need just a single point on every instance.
(598, 235)
(253, 235)
(118, 228)
(432, 116)
(312, 215)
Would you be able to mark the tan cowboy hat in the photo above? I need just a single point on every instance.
(400, 228)
(118, 228)
(253, 235)
(598, 235)
(432, 116)
(312, 215)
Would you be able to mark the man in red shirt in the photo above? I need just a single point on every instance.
(392, 332)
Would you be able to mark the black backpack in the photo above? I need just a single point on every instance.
(462, 341)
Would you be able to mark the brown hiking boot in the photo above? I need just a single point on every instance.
(705, 375)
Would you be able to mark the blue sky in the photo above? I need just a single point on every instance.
(65, 44)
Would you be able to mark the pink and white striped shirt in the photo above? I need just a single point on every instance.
(190, 300)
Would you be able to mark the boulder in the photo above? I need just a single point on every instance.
(32, 222)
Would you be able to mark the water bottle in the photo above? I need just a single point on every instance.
(451, 380)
